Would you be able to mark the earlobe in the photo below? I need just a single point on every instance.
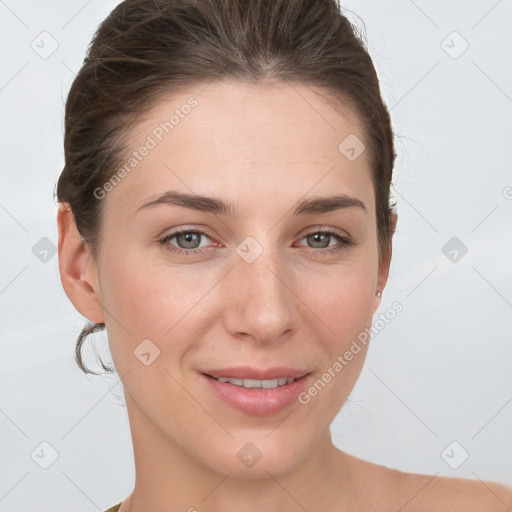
(77, 268)
(376, 303)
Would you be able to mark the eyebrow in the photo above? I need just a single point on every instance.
(308, 206)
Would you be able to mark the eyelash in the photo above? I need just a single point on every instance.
(343, 241)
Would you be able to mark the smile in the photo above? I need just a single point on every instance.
(253, 383)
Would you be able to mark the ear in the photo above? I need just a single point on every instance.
(385, 263)
(77, 267)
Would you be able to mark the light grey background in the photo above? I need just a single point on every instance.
(439, 372)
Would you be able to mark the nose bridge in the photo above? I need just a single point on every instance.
(261, 304)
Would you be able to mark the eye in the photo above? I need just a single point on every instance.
(189, 241)
(321, 240)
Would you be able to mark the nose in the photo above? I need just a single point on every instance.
(261, 303)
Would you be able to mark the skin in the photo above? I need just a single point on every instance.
(263, 147)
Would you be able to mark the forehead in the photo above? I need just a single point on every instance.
(279, 139)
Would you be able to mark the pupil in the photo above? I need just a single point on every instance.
(190, 238)
(319, 238)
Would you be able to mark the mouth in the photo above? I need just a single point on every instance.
(256, 392)
(255, 383)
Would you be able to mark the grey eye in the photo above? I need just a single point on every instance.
(319, 240)
(188, 240)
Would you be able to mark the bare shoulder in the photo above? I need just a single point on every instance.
(442, 494)
(386, 489)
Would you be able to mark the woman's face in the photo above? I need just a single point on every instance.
(259, 288)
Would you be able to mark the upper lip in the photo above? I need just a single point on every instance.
(247, 372)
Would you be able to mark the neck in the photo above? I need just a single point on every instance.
(170, 478)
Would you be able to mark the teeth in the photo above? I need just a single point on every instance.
(252, 383)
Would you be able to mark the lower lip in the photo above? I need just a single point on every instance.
(258, 401)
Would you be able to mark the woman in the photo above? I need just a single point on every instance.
(225, 216)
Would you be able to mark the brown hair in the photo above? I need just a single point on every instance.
(147, 49)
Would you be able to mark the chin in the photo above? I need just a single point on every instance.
(254, 457)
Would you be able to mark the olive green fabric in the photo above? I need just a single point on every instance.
(115, 508)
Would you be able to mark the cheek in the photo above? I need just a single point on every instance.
(344, 308)
(154, 299)
(343, 298)
(151, 295)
